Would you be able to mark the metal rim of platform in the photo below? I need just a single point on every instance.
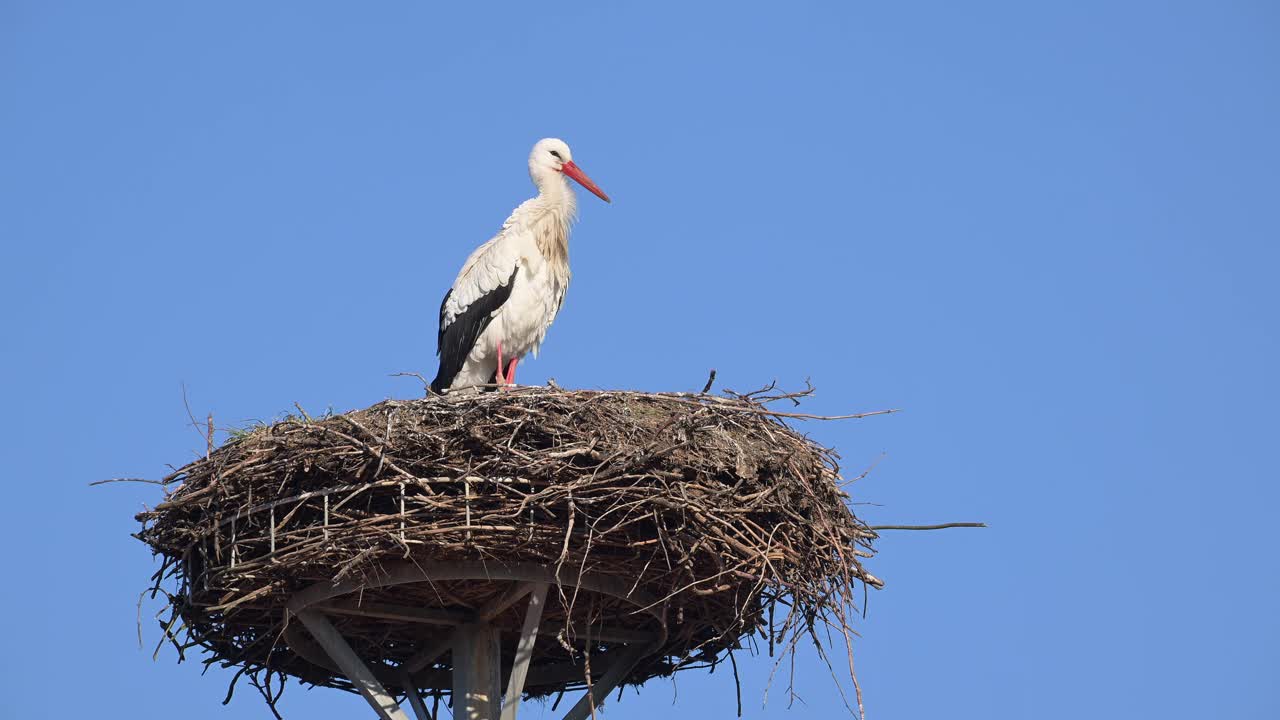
(475, 683)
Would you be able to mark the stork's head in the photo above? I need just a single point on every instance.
(551, 156)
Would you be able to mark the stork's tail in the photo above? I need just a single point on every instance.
(443, 380)
(467, 377)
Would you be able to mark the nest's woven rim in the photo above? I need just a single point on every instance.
(825, 596)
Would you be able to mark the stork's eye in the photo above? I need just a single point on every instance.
(557, 155)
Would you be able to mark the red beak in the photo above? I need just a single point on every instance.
(576, 173)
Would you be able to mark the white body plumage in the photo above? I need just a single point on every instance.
(540, 282)
(511, 288)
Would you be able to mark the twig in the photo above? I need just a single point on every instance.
(940, 526)
(264, 689)
(140, 596)
(737, 684)
(426, 385)
(137, 480)
(706, 389)
(231, 687)
(195, 424)
(807, 416)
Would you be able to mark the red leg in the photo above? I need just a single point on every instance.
(502, 380)
(511, 371)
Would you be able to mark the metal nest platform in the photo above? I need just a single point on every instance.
(506, 545)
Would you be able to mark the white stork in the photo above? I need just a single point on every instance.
(511, 287)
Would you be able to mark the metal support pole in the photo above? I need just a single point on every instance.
(356, 671)
(476, 661)
(524, 651)
(612, 678)
(414, 698)
(477, 687)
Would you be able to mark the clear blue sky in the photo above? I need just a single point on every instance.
(1047, 230)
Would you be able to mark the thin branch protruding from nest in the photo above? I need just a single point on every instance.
(939, 526)
(706, 389)
(133, 480)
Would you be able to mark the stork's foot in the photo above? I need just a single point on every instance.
(511, 372)
(498, 375)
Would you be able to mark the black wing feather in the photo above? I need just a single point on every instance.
(456, 339)
(440, 334)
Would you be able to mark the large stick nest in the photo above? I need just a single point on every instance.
(726, 525)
